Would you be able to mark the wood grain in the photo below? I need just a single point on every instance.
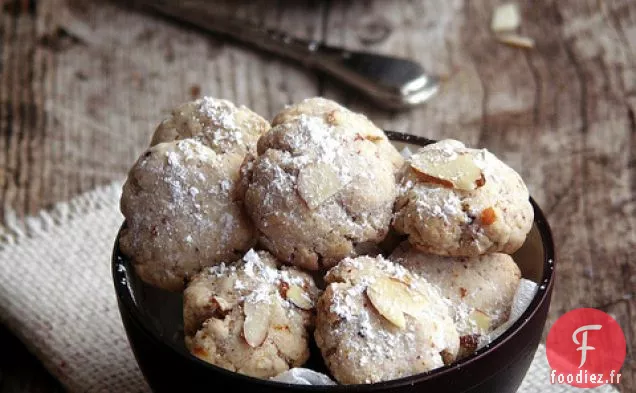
(82, 85)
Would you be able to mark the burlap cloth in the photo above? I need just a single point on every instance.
(56, 295)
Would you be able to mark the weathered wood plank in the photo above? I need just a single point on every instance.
(588, 171)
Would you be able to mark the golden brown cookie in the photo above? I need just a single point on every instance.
(181, 214)
(377, 322)
(481, 289)
(458, 201)
(318, 191)
(253, 316)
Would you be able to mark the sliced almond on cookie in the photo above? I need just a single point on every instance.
(480, 319)
(256, 325)
(387, 302)
(460, 172)
(299, 298)
(393, 299)
(373, 138)
(414, 304)
(218, 303)
(317, 183)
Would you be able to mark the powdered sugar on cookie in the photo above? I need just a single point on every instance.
(357, 338)
(218, 124)
(180, 213)
(250, 316)
(319, 188)
(259, 276)
(458, 201)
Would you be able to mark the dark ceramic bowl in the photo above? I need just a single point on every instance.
(153, 322)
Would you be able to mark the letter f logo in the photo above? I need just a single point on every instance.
(584, 347)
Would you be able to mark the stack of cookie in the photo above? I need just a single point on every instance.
(464, 211)
(317, 194)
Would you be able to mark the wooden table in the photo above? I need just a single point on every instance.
(82, 85)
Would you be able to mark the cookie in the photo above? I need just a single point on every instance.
(181, 214)
(457, 201)
(252, 317)
(481, 289)
(318, 191)
(376, 322)
(217, 123)
(337, 115)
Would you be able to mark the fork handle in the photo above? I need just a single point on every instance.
(392, 82)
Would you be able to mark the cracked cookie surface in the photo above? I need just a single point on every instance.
(319, 190)
(253, 316)
(457, 201)
(180, 212)
(377, 322)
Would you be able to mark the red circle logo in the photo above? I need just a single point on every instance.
(586, 348)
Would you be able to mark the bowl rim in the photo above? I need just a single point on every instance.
(124, 296)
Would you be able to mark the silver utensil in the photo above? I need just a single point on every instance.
(390, 81)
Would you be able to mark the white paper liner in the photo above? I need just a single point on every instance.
(406, 152)
(523, 297)
(303, 376)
